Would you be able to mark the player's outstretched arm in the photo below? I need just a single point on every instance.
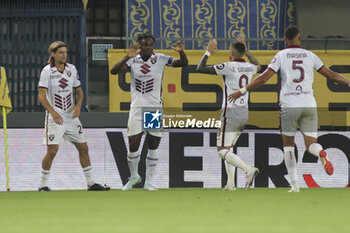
(334, 76)
(259, 81)
(202, 66)
(45, 103)
(250, 56)
(179, 46)
(121, 65)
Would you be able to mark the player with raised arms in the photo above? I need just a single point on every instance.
(298, 105)
(236, 74)
(146, 69)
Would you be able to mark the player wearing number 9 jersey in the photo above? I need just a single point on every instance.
(236, 73)
(298, 105)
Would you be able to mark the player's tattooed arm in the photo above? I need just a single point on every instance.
(202, 67)
(179, 46)
(250, 56)
(253, 60)
(45, 103)
(121, 65)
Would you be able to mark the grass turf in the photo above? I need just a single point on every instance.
(176, 210)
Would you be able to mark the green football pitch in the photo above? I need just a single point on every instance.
(177, 210)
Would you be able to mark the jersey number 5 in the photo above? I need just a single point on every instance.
(296, 67)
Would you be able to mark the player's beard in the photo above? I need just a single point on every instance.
(146, 55)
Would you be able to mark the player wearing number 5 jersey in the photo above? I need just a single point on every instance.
(298, 105)
(57, 81)
(236, 74)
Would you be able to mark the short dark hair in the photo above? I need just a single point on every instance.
(239, 47)
(144, 36)
(291, 32)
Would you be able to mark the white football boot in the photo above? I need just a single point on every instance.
(149, 187)
(133, 180)
(294, 189)
(251, 174)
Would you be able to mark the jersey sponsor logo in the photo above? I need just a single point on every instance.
(55, 76)
(298, 91)
(299, 88)
(152, 119)
(144, 86)
(63, 103)
(137, 61)
(63, 83)
(220, 66)
(145, 69)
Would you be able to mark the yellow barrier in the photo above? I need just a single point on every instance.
(326, 96)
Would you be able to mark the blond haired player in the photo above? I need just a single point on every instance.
(57, 81)
(236, 74)
(298, 104)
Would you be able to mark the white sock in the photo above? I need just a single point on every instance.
(89, 176)
(133, 162)
(291, 164)
(230, 170)
(44, 177)
(151, 164)
(233, 159)
(315, 149)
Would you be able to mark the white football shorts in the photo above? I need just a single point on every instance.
(230, 130)
(305, 118)
(71, 131)
(135, 124)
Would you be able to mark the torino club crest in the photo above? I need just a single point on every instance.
(51, 137)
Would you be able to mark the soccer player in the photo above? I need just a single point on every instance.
(298, 105)
(236, 73)
(146, 69)
(56, 84)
